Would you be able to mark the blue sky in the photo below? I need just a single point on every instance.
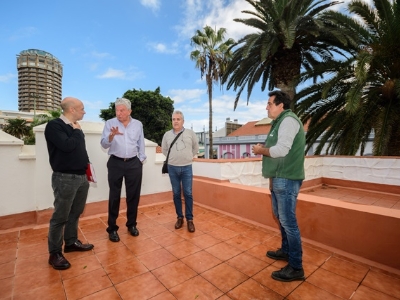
(110, 46)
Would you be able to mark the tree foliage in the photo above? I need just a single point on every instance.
(290, 35)
(212, 54)
(149, 107)
(362, 96)
(17, 127)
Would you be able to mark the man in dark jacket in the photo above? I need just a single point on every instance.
(68, 160)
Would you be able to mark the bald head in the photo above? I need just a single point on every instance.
(72, 108)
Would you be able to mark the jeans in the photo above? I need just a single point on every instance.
(284, 200)
(182, 175)
(70, 193)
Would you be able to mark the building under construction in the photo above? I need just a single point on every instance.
(39, 81)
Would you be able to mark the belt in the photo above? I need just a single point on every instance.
(124, 159)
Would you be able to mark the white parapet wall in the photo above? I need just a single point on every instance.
(25, 172)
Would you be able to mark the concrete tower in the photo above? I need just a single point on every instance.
(39, 81)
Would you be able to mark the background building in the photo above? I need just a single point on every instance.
(39, 81)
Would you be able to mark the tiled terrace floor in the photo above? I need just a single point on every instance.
(358, 196)
(224, 259)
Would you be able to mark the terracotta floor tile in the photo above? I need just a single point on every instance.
(146, 223)
(383, 283)
(165, 218)
(125, 270)
(173, 274)
(333, 283)
(207, 226)
(32, 240)
(205, 241)
(6, 287)
(184, 233)
(80, 266)
(86, 284)
(260, 252)
(32, 264)
(106, 294)
(201, 261)
(91, 220)
(385, 203)
(282, 288)
(29, 281)
(33, 233)
(164, 296)
(157, 258)
(8, 255)
(223, 234)
(33, 250)
(247, 264)
(46, 292)
(153, 214)
(168, 239)
(258, 235)
(140, 287)
(9, 237)
(155, 230)
(127, 238)
(8, 246)
(223, 251)
(239, 227)
(365, 293)
(196, 288)
(307, 291)
(346, 269)
(224, 277)
(315, 256)
(114, 255)
(139, 247)
(183, 249)
(93, 227)
(94, 236)
(223, 221)
(242, 243)
(7, 269)
(251, 289)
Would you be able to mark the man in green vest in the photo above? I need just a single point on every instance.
(283, 164)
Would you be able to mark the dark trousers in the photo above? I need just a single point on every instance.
(132, 172)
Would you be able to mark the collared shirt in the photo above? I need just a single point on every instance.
(65, 119)
(129, 144)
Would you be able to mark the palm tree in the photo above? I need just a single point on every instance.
(362, 99)
(290, 35)
(212, 55)
(17, 127)
(30, 139)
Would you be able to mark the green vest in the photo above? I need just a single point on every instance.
(290, 166)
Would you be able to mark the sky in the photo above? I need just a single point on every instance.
(108, 47)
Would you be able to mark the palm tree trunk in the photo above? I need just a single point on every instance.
(210, 133)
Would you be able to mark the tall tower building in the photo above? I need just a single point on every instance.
(39, 81)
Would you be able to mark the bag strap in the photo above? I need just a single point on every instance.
(166, 160)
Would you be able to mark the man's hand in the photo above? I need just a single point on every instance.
(76, 125)
(260, 149)
(114, 132)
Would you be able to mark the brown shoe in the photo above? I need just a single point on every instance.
(58, 261)
(179, 223)
(190, 226)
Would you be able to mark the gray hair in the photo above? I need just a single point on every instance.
(178, 112)
(123, 101)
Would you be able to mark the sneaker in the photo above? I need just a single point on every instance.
(278, 255)
(288, 273)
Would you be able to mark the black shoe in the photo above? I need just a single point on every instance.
(179, 223)
(133, 231)
(288, 274)
(78, 246)
(113, 236)
(58, 261)
(278, 255)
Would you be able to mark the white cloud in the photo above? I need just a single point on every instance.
(180, 96)
(112, 73)
(163, 48)
(101, 55)
(7, 77)
(153, 4)
(216, 14)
